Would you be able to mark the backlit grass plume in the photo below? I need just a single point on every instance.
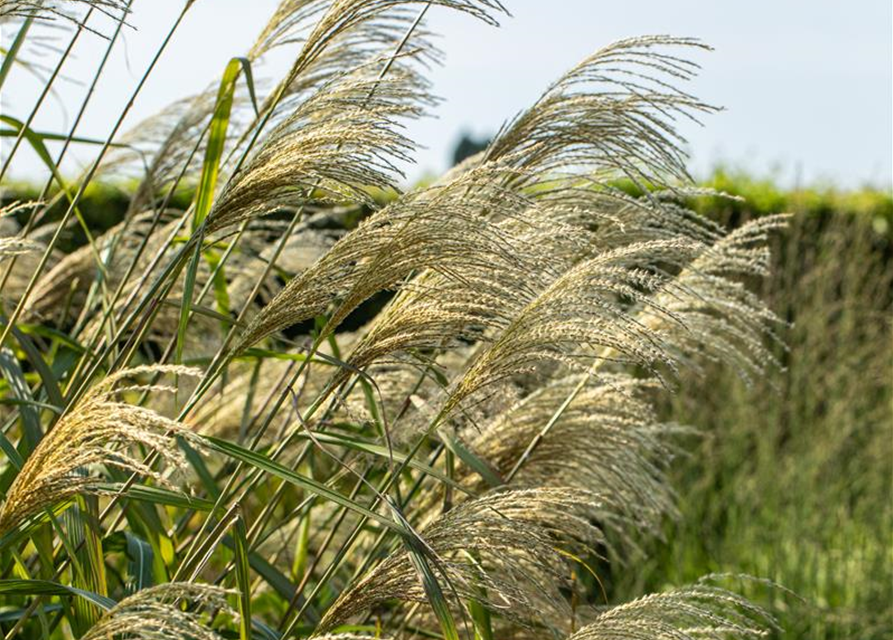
(500, 548)
(685, 614)
(440, 227)
(49, 10)
(614, 114)
(608, 437)
(154, 614)
(340, 141)
(16, 247)
(720, 318)
(100, 430)
(546, 139)
(591, 307)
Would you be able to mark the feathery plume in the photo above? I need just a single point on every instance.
(51, 10)
(17, 246)
(589, 308)
(345, 49)
(502, 545)
(439, 227)
(23, 266)
(99, 430)
(350, 17)
(158, 149)
(151, 614)
(720, 317)
(72, 277)
(689, 613)
(611, 116)
(339, 141)
(608, 437)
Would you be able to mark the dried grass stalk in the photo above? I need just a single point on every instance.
(17, 246)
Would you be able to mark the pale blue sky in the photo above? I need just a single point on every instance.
(808, 85)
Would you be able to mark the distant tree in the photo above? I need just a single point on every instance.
(467, 146)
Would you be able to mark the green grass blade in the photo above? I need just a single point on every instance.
(302, 547)
(480, 616)
(15, 377)
(59, 137)
(10, 451)
(217, 138)
(36, 142)
(263, 463)
(435, 595)
(140, 557)
(87, 546)
(204, 196)
(243, 579)
(14, 48)
(50, 384)
(19, 587)
(358, 444)
(159, 496)
(186, 302)
(470, 459)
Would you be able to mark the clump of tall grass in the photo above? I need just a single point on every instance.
(791, 478)
(451, 468)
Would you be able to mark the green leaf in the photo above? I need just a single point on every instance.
(50, 384)
(59, 137)
(15, 614)
(15, 377)
(221, 294)
(204, 196)
(140, 557)
(49, 588)
(51, 334)
(158, 495)
(207, 185)
(480, 616)
(262, 462)
(201, 469)
(32, 524)
(243, 579)
(273, 577)
(188, 291)
(36, 142)
(9, 449)
(418, 553)
(86, 545)
(14, 48)
(302, 548)
(358, 444)
(433, 591)
(257, 353)
(481, 467)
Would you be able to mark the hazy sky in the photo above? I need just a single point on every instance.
(807, 85)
